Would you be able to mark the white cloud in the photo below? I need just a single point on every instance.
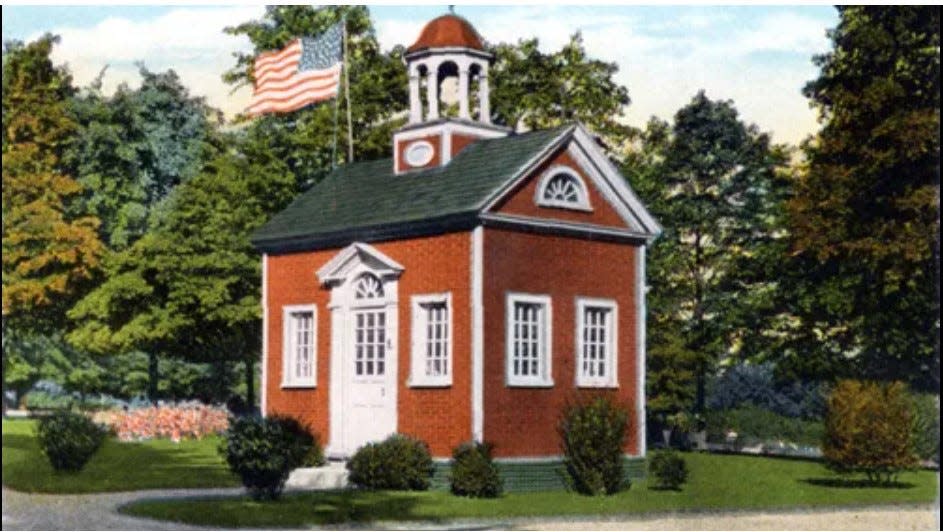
(188, 40)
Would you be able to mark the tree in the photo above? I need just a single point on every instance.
(865, 216)
(49, 254)
(714, 183)
(190, 286)
(132, 148)
(534, 90)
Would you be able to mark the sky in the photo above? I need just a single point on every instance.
(759, 56)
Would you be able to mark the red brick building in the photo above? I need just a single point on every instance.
(464, 289)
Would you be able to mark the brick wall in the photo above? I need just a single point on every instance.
(521, 200)
(522, 421)
(440, 416)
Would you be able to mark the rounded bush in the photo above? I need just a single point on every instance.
(868, 429)
(315, 455)
(262, 452)
(473, 471)
(69, 440)
(667, 470)
(593, 435)
(397, 463)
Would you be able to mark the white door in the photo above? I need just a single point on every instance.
(371, 407)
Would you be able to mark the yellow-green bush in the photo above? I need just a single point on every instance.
(868, 429)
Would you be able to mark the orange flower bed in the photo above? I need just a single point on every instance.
(174, 423)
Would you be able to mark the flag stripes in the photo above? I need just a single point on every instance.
(305, 71)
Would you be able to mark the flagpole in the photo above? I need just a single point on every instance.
(334, 147)
(350, 133)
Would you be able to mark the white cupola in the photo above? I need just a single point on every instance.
(449, 104)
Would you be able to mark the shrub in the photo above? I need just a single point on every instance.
(868, 429)
(315, 455)
(69, 440)
(397, 463)
(43, 400)
(593, 435)
(927, 426)
(754, 425)
(473, 471)
(262, 452)
(667, 470)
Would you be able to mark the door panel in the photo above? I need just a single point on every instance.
(371, 412)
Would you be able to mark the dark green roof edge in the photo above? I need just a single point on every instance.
(377, 233)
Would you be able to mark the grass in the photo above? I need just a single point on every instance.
(717, 482)
(117, 466)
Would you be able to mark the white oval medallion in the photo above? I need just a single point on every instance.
(419, 153)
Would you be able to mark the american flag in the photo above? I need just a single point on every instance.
(304, 72)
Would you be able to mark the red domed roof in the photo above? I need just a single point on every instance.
(445, 31)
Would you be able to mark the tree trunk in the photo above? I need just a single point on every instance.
(152, 376)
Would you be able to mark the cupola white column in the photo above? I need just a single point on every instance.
(463, 95)
(484, 107)
(415, 103)
(432, 92)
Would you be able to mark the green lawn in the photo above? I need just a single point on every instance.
(116, 466)
(716, 482)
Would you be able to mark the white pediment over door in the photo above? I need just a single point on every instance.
(358, 256)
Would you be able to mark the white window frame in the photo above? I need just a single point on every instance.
(582, 200)
(610, 380)
(545, 377)
(288, 379)
(418, 377)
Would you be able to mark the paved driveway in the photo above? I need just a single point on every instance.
(98, 511)
(22, 511)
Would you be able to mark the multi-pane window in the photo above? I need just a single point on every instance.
(596, 342)
(299, 343)
(370, 343)
(431, 341)
(528, 340)
(562, 187)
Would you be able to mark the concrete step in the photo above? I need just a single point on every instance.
(333, 475)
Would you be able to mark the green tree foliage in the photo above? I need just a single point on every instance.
(534, 90)
(48, 253)
(868, 429)
(865, 216)
(132, 148)
(190, 286)
(717, 186)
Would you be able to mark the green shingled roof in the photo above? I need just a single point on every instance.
(356, 199)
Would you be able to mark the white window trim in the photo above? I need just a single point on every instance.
(581, 203)
(287, 380)
(611, 380)
(545, 380)
(417, 377)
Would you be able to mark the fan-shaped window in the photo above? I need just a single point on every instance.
(368, 287)
(562, 187)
